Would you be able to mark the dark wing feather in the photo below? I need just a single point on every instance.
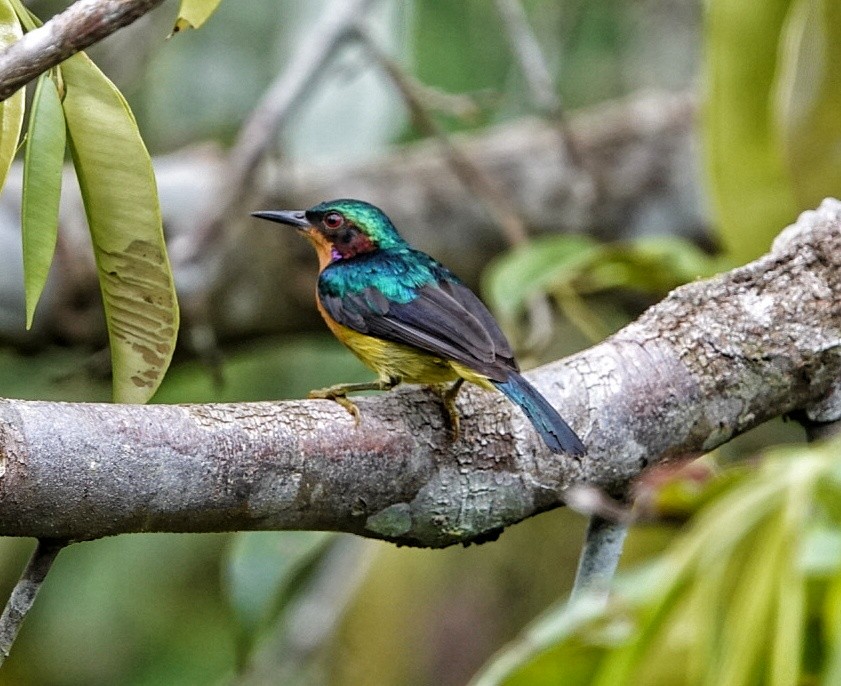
(446, 320)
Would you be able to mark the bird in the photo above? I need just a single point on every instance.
(409, 318)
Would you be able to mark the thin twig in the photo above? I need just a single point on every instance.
(494, 197)
(599, 557)
(82, 24)
(25, 591)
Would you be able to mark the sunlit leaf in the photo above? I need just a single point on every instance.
(193, 13)
(808, 99)
(260, 566)
(43, 160)
(121, 203)
(11, 109)
(749, 184)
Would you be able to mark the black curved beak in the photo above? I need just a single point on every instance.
(296, 218)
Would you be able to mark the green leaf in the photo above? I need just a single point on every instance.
(260, 566)
(43, 160)
(545, 650)
(538, 266)
(193, 13)
(11, 109)
(749, 184)
(726, 604)
(121, 201)
(808, 99)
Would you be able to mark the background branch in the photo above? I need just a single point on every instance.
(712, 360)
(643, 146)
(23, 595)
(81, 25)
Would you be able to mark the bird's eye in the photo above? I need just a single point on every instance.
(333, 220)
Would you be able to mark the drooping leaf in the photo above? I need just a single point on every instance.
(749, 184)
(11, 109)
(807, 99)
(43, 160)
(121, 202)
(193, 13)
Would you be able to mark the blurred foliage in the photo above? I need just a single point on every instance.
(261, 568)
(748, 594)
(568, 267)
(770, 124)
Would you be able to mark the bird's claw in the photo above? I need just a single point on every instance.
(339, 397)
(448, 400)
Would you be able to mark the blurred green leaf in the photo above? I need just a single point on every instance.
(538, 266)
(11, 109)
(807, 99)
(749, 184)
(653, 265)
(121, 202)
(567, 266)
(548, 648)
(193, 13)
(260, 566)
(726, 604)
(43, 160)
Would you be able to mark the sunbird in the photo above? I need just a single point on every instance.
(409, 318)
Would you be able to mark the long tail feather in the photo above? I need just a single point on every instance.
(552, 428)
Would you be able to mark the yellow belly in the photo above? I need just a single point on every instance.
(409, 364)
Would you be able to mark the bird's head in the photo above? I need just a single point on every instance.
(340, 229)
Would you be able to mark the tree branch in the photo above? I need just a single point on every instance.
(600, 555)
(82, 24)
(712, 360)
(23, 595)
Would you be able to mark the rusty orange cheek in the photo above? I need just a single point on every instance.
(323, 247)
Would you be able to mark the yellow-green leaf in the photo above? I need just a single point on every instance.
(121, 202)
(808, 99)
(43, 159)
(193, 13)
(750, 188)
(11, 109)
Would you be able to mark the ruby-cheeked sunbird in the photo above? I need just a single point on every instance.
(408, 317)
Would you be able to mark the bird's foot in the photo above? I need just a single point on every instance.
(337, 394)
(448, 400)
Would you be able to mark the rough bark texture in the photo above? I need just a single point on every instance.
(712, 360)
(79, 26)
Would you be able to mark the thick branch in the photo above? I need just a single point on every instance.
(712, 360)
(82, 24)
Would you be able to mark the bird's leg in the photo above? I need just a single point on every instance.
(448, 398)
(339, 392)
